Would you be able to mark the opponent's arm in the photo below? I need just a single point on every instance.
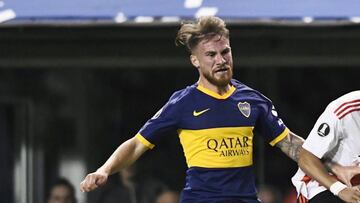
(126, 154)
(291, 145)
(343, 173)
(313, 167)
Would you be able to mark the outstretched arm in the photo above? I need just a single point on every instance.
(126, 154)
(313, 167)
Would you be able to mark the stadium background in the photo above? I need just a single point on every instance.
(72, 88)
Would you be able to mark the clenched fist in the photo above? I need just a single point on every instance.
(93, 181)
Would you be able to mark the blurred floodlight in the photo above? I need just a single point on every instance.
(308, 19)
(192, 3)
(120, 17)
(355, 19)
(144, 19)
(206, 11)
(7, 15)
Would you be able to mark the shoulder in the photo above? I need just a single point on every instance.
(182, 95)
(248, 92)
(345, 104)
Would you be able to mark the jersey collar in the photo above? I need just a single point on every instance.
(216, 95)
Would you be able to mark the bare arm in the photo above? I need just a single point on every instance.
(313, 167)
(126, 154)
(343, 173)
(291, 145)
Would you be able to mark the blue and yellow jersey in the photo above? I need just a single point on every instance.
(216, 133)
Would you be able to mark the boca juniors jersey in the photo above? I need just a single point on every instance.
(216, 133)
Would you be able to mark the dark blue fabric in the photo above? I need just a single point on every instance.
(216, 184)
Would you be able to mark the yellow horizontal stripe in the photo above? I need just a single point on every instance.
(280, 137)
(226, 147)
(144, 141)
(216, 95)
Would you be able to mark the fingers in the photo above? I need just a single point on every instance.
(350, 195)
(88, 183)
(91, 182)
(356, 196)
(347, 182)
(100, 181)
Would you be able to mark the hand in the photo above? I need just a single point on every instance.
(350, 195)
(93, 181)
(345, 173)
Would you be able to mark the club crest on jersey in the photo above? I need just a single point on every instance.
(244, 108)
(323, 129)
(274, 112)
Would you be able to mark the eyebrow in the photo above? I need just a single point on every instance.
(227, 49)
(210, 52)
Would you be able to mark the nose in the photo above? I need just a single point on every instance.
(220, 59)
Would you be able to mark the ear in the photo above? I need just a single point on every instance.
(194, 60)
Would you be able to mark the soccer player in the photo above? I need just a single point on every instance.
(335, 137)
(216, 120)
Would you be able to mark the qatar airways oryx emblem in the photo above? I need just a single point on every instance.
(244, 108)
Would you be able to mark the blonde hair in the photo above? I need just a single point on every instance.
(191, 33)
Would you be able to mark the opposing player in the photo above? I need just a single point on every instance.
(336, 138)
(216, 119)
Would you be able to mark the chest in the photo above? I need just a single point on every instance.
(202, 114)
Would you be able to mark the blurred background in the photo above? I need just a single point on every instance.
(78, 78)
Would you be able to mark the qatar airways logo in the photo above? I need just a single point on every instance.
(226, 147)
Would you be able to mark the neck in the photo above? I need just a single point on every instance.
(221, 90)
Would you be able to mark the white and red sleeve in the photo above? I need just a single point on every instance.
(325, 134)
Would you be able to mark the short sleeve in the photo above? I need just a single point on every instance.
(323, 137)
(269, 125)
(166, 119)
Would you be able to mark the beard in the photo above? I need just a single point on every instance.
(220, 81)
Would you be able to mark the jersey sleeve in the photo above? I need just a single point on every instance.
(166, 119)
(269, 125)
(324, 136)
